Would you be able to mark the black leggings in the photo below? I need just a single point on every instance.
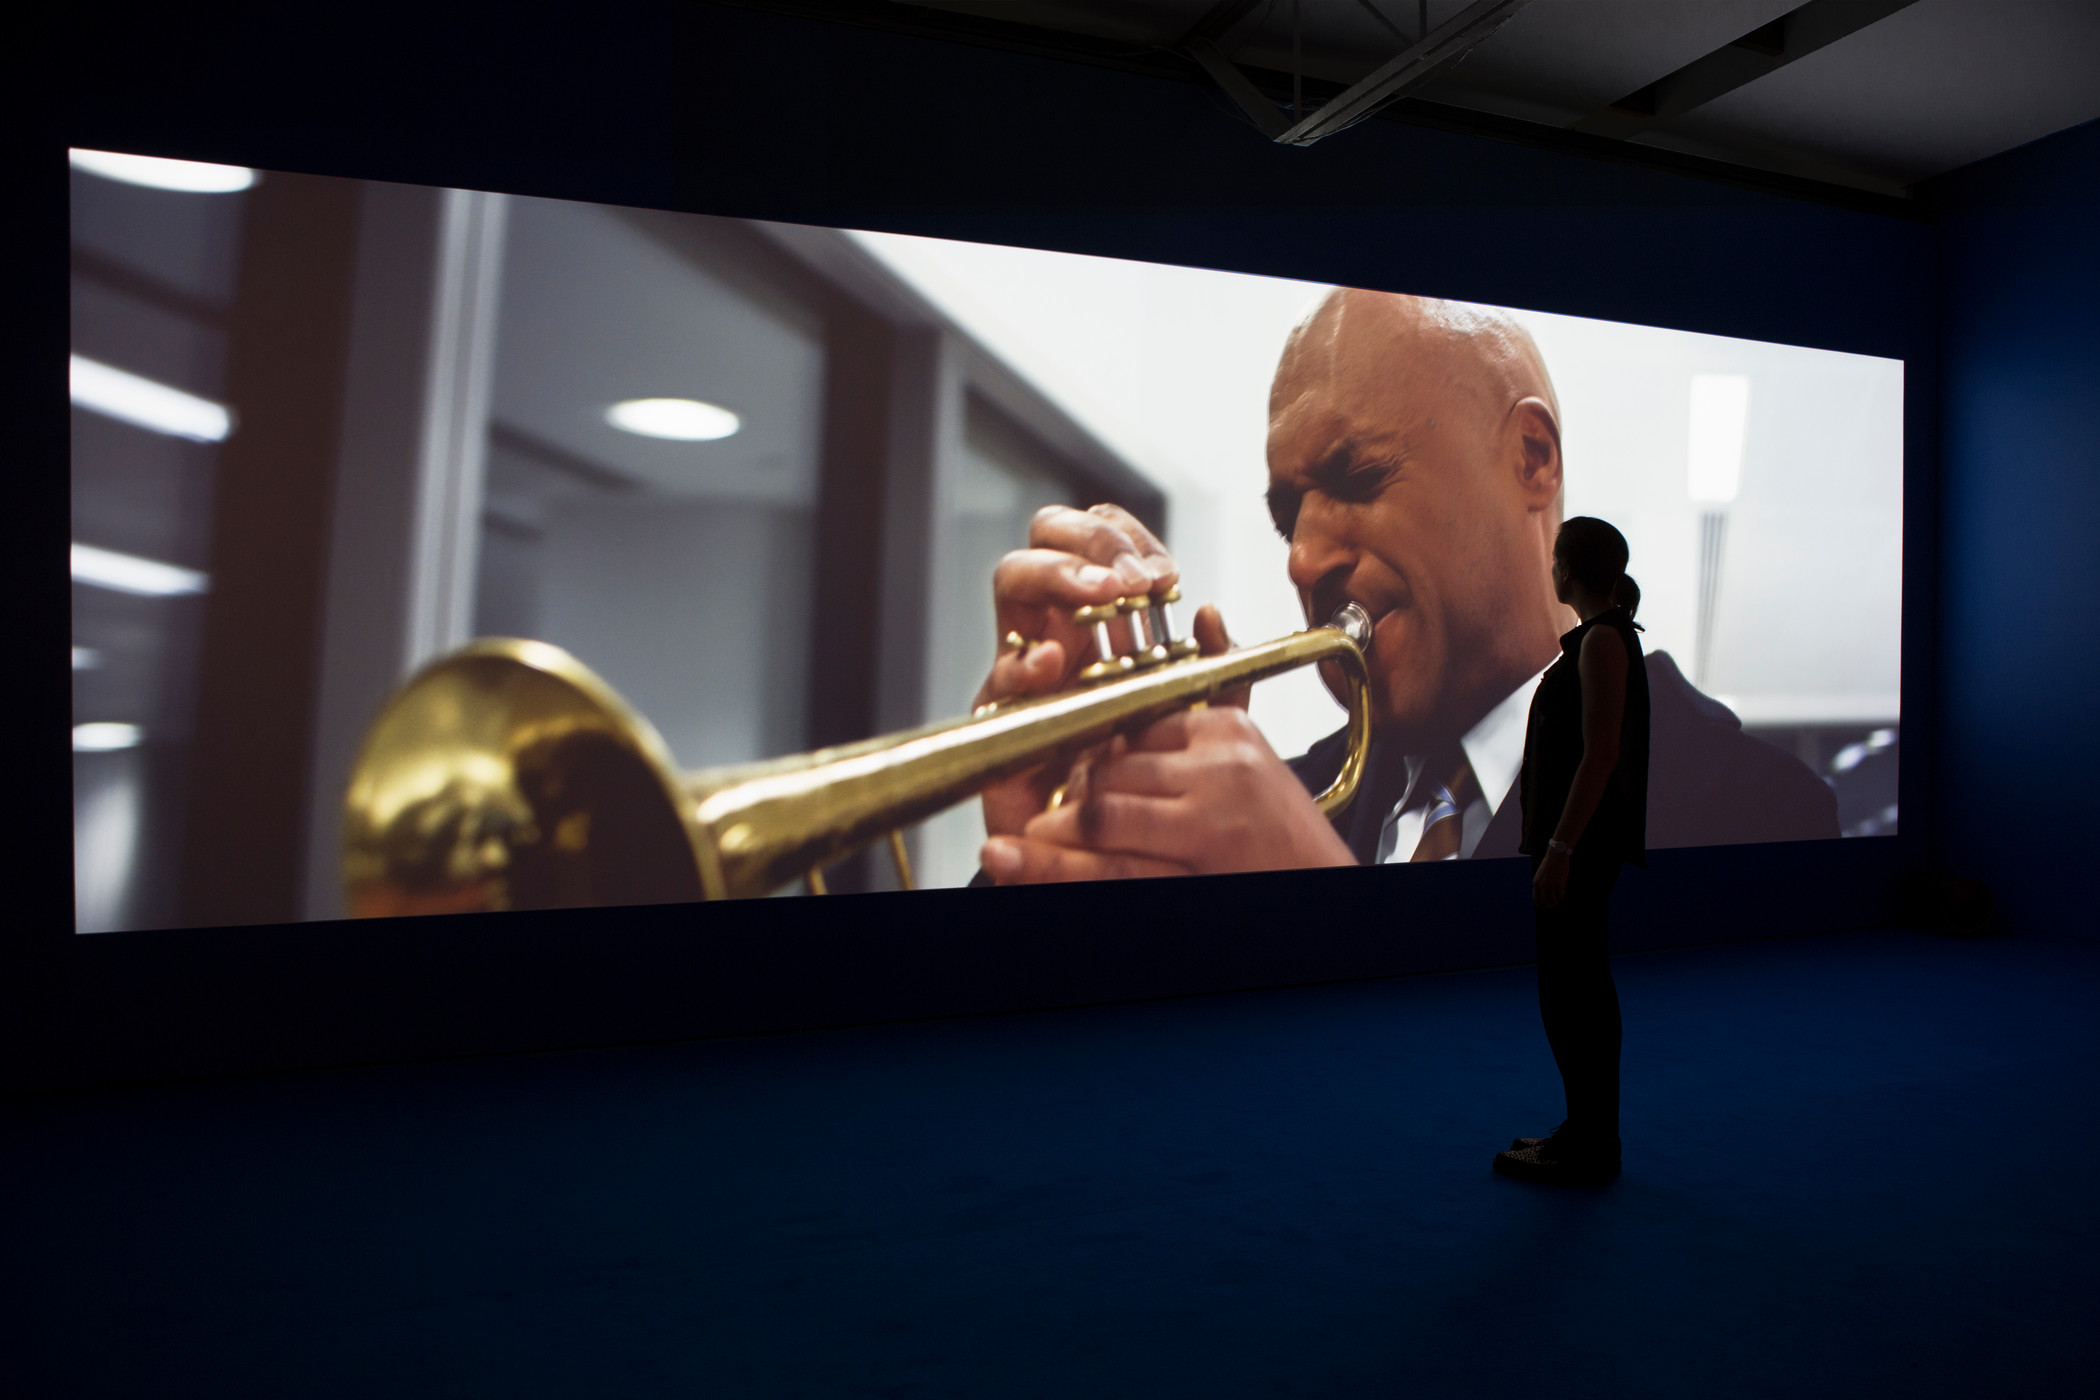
(1577, 999)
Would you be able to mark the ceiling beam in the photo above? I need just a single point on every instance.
(1265, 115)
(1216, 22)
(1763, 50)
(1201, 44)
(1392, 80)
(1409, 69)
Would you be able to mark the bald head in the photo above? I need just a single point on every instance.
(1356, 338)
(1414, 467)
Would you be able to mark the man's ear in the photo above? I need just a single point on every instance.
(1538, 461)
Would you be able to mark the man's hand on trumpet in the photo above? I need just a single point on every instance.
(1199, 791)
(1075, 558)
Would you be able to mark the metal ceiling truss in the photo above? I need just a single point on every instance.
(1409, 69)
(1276, 89)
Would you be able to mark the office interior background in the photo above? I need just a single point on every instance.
(1279, 1181)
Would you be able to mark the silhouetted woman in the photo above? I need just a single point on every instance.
(1585, 794)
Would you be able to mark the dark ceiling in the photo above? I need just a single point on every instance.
(1860, 95)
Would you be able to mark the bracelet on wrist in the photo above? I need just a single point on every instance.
(1558, 847)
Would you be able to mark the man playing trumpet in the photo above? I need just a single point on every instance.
(1415, 469)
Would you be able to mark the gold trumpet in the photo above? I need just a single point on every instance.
(507, 775)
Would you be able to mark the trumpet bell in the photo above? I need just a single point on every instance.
(508, 776)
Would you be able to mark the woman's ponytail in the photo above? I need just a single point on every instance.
(1626, 594)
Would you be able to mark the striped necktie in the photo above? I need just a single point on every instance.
(1444, 821)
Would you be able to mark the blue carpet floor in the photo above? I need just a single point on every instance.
(1855, 1164)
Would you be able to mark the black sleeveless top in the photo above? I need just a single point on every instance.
(1553, 749)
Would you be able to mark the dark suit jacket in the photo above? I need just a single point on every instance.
(1709, 783)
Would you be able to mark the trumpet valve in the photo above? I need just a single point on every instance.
(1160, 617)
(1106, 663)
(1145, 647)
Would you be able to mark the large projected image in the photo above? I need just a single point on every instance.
(738, 491)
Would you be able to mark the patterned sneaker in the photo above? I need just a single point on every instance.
(1559, 1164)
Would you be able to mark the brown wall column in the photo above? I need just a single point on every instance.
(853, 478)
(247, 802)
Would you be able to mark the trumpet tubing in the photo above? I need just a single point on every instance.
(507, 775)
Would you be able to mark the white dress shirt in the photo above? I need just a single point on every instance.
(1494, 749)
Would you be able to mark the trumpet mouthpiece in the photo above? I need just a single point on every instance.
(1353, 622)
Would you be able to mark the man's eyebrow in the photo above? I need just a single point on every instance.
(1333, 464)
(1283, 506)
(1350, 460)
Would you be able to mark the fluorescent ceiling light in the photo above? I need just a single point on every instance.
(1720, 415)
(128, 573)
(681, 420)
(158, 173)
(147, 403)
(105, 737)
(86, 658)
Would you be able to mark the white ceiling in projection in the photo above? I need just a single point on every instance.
(596, 311)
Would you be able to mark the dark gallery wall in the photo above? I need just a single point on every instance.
(737, 112)
(2019, 674)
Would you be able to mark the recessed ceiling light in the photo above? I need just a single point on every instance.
(147, 403)
(1720, 413)
(680, 420)
(159, 173)
(105, 737)
(128, 573)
